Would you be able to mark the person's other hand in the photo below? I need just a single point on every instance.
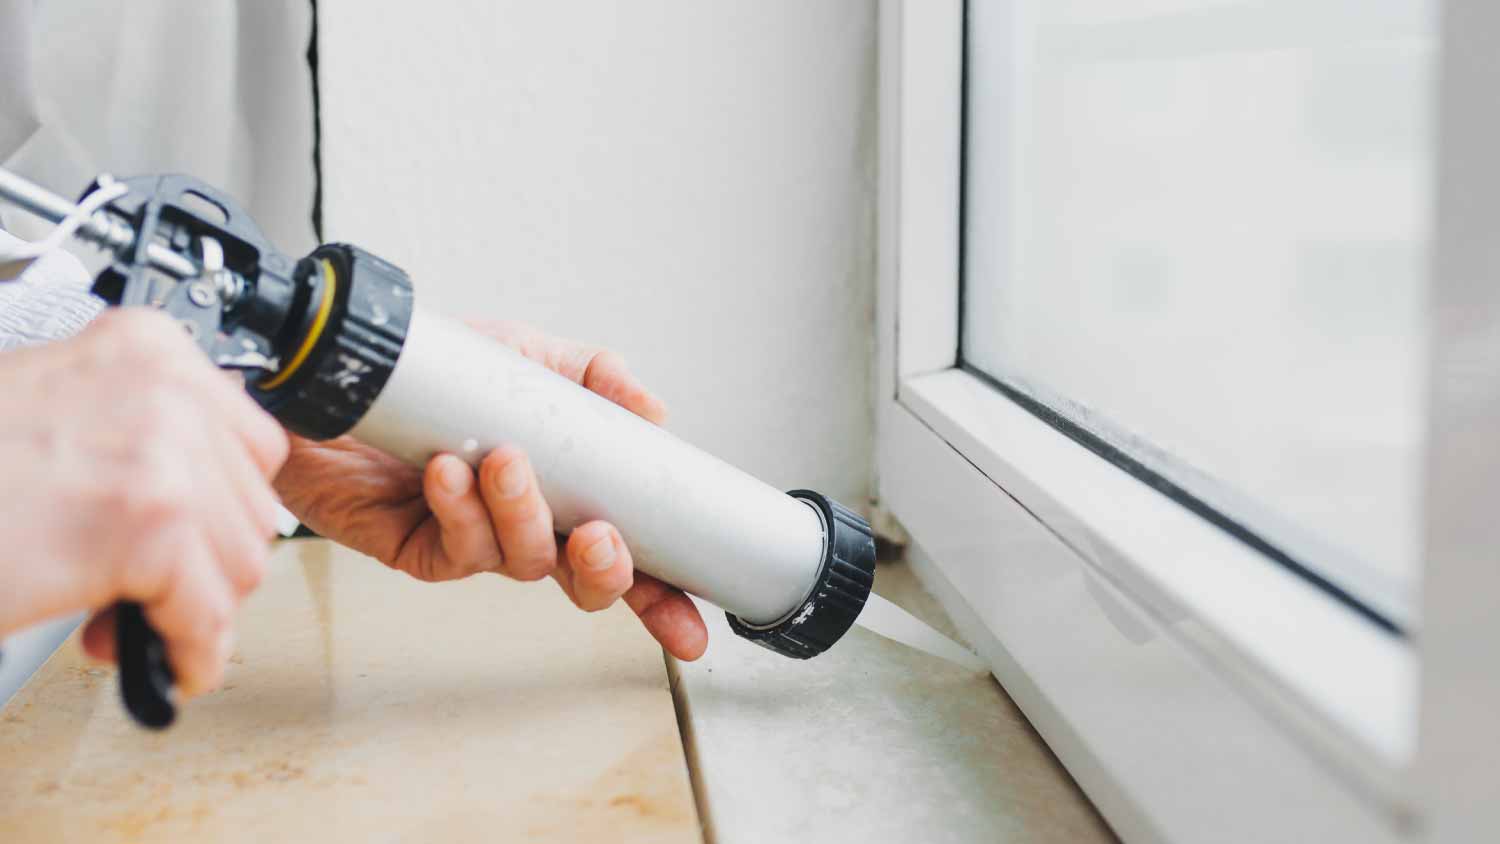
(133, 470)
(447, 522)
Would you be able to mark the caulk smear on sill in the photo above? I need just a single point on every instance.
(885, 618)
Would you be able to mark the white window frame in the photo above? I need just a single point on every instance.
(1196, 690)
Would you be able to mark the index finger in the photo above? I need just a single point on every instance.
(600, 370)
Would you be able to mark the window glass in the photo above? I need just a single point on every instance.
(1200, 229)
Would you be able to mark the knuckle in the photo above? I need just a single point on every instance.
(480, 564)
(135, 330)
(220, 615)
(252, 574)
(600, 362)
(151, 411)
(150, 493)
(532, 568)
(147, 574)
(213, 617)
(471, 524)
(216, 618)
(518, 513)
(277, 445)
(114, 323)
(263, 520)
(496, 462)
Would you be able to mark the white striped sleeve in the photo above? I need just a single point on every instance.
(49, 301)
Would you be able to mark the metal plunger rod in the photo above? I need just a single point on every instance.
(98, 228)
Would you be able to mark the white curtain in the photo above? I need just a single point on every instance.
(216, 89)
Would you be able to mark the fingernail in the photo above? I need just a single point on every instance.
(512, 480)
(600, 555)
(454, 475)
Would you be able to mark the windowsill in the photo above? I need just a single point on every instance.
(1354, 684)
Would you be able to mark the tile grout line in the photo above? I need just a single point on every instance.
(689, 747)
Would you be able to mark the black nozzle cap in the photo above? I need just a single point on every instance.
(356, 349)
(844, 582)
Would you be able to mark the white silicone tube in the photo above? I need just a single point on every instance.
(689, 518)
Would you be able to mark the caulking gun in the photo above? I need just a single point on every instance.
(335, 343)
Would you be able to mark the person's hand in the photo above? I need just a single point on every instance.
(133, 470)
(445, 523)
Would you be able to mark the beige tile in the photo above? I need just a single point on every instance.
(870, 742)
(364, 706)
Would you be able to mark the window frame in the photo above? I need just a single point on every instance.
(1147, 645)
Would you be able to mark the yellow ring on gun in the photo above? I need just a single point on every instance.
(320, 321)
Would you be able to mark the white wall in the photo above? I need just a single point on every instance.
(690, 183)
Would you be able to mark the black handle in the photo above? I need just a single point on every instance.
(145, 676)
